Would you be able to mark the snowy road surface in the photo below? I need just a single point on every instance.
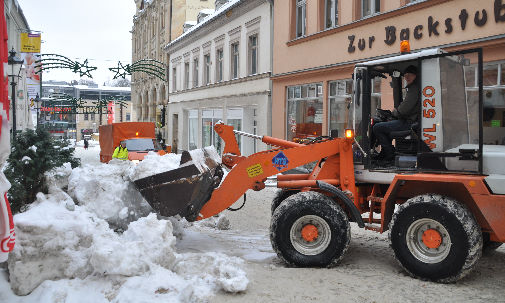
(367, 273)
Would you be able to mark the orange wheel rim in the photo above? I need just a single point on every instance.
(432, 238)
(309, 233)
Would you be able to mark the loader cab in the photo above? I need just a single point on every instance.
(447, 135)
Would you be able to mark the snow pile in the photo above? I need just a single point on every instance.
(106, 190)
(203, 158)
(153, 164)
(66, 242)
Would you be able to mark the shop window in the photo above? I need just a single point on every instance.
(301, 16)
(192, 129)
(305, 112)
(234, 118)
(234, 60)
(331, 13)
(253, 54)
(219, 65)
(209, 137)
(369, 7)
(339, 98)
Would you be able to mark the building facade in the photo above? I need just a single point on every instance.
(220, 71)
(17, 24)
(317, 44)
(57, 117)
(156, 23)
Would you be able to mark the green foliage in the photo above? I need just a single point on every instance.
(34, 153)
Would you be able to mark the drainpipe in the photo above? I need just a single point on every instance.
(269, 116)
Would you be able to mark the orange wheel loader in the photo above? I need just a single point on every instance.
(442, 198)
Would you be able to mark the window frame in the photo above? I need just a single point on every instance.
(235, 60)
(186, 75)
(302, 31)
(252, 49)
(207, 67)
(195, 72)
(219, 65)
(174, 78)
(332, 15)
(373, 8)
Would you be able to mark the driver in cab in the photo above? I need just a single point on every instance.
(405, 114)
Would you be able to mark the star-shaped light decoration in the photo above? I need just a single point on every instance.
(83, 69)
(51, 61)
(121, 70)
(149, 66)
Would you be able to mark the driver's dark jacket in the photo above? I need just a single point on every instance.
(409, 107)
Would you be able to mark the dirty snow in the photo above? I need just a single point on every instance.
(368, 272)
(93, 238)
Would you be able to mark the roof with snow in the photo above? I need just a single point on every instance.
(223, 9)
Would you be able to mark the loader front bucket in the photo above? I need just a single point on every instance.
(182, 191)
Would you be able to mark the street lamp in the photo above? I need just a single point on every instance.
(15, 71)
(37, 100)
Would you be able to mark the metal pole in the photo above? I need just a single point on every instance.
(13, 84)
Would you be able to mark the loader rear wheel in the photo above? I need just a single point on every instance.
(280, 196)
(309, 229)
(435, 238)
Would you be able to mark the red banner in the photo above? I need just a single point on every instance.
(110, 112)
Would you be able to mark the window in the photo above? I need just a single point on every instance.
(331, 13)
(234, 60)
(128, 117)
(192, 129)
(305, 111)
(195, 73)
(174, 79)
(253, 54)
(234, 118)
(92, 118)
(85, 116)
(209, 136)
(219, 65)
(206, 76)
(186, 75)
(370, 7)
(493, 79)
(301, 11)
(339, 98)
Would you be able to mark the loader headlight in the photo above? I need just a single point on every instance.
(349, 133)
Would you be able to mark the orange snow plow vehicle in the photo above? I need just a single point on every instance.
(140, 138)
(442, 199)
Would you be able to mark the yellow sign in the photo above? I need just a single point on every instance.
(255, 170)
(30, 43)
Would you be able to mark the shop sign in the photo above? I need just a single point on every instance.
(433, 27)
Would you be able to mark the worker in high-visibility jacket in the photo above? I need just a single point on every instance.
(121, 152)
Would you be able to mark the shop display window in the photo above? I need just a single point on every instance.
(305, 112)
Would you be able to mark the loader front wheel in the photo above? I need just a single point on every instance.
(280, 196)
(309, 229)
(435, 238)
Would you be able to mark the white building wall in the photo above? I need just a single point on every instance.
(249, 92)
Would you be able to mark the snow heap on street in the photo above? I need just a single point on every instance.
(68, 240)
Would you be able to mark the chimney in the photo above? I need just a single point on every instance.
(219, 3)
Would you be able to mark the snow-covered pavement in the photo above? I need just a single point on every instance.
(76, 256)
